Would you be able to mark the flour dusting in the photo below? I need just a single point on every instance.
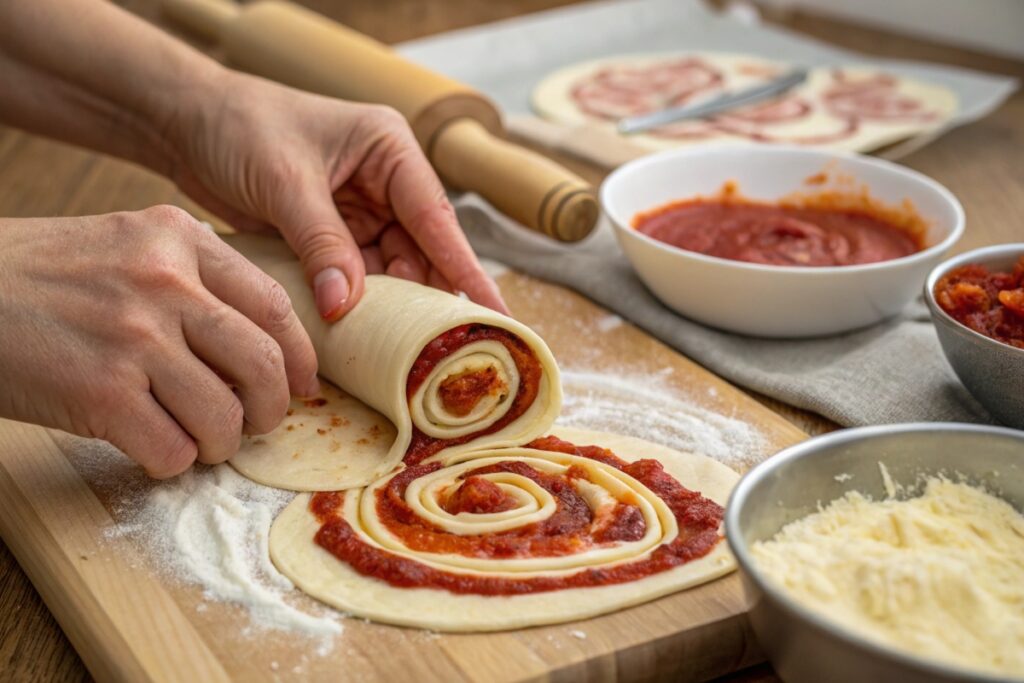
(209, 526)
(645, 406)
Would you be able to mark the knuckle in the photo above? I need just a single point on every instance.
(268, 366)
(162, 267)
(386, 115)
(232, 418)
(167, 215)
(220, 434)
(268, 395)
(277, 306)
(141, 332)
(162, 273)
(320, 243)
(175, 455)
(134, 334)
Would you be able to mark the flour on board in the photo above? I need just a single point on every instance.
(207, 527)
(645, 406)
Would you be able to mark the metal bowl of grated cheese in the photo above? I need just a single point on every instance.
(891, 553)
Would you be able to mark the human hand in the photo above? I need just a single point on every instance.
(345, 184)
(148, 332)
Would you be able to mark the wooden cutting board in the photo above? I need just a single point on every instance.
(128, 624)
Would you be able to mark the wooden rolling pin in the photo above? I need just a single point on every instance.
(459, 129)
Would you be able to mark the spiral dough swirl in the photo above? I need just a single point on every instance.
(522, 520)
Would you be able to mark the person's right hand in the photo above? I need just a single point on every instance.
(145, 330)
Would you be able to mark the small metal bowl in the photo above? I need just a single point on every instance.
(992, 371)
(805, 645)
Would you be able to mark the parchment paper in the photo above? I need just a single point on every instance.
(507, 58)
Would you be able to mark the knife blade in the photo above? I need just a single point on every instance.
(724, 102)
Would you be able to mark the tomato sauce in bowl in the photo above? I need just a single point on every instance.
(813, 230)
(990, 303)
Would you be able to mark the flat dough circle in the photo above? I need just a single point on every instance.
(552, 99)
(324, 442)
(321, 575)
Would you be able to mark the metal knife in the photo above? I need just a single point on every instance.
(729, 100)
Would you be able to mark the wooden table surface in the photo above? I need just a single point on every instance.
(980, 163)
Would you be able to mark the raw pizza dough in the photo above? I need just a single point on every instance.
(368, 355)
(354, 439)
(847, 108)
(342, 440)
(321, 575)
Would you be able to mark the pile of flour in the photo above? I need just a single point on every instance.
(208, 527)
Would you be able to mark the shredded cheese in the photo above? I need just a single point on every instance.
(940, 576)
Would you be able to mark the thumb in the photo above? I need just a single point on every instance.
(309, 221)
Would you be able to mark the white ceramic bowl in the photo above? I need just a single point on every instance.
(774, 301)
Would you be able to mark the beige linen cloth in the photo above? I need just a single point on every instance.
(892, 372)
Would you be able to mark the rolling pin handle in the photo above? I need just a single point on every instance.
(205, 18)
(519, 182)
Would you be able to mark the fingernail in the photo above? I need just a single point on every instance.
(331, 290)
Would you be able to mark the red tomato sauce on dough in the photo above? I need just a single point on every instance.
(424, 446)
(461, 393)
(572, 528)
(478, 495)
(778, 234)
(986, 302)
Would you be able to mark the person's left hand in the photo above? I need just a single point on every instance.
(345, 184)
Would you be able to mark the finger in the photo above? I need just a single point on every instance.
(400, 268)
(438, 281)
(363, 218)
(201, 403)
(309, 221)
(152, 438)
(251, 359)
(424, 211)
(397, 248)
(373, 260)
(231, 278)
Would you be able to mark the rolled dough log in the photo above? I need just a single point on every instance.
(342, 443)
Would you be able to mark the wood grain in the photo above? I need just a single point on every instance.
(980, 163)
